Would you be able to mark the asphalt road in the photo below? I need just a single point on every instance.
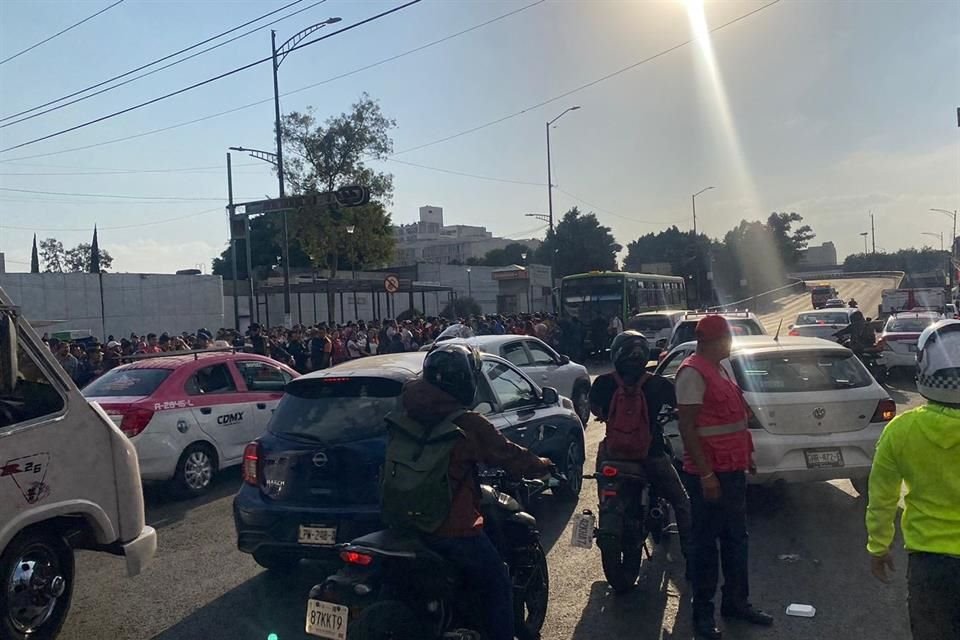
(866, 291)
(200, 587)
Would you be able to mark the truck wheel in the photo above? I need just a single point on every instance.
(196, 470)
(37, 583)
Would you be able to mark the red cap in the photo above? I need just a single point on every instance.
(713, 327)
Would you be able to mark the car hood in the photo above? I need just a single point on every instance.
(427, 404)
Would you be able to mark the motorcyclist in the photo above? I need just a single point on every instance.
(861, 335)
(852, 303)
(449, 384)
(920, 449)
(630, 352)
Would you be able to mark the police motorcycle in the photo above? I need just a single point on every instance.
(393, 587)
(630, 512)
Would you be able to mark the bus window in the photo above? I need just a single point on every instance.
(633, 297)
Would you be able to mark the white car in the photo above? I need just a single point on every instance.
(743, 323)
(822, 323)
(817, 411)
(543, 365)
(898, 342)
(656, 325)
(189, 416)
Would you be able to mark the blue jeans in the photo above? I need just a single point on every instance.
(481, 565)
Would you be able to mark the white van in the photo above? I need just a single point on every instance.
(69, 480)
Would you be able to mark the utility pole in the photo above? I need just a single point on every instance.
(549, 168)
(873, 233)
(286, 236)
(233, 246)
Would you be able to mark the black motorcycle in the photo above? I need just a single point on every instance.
(871, 358)
(630, 512)
(393, 587)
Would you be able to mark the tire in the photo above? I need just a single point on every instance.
(276, 561)
(386, 620)
(36, 585)
(860, 484)
(621, 563)
(196, 470)
(573, 469)
(531, 612)
(581, 401)
(657, 534)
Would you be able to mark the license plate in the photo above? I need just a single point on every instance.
(583, 525)
(820, 458)
(326, 620)
(319, 536)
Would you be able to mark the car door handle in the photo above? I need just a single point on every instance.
(206, 410)
(261, 405)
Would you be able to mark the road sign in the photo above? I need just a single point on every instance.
(391, 283)
(351, 196)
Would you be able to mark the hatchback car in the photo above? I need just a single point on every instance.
(821, 324)
(656, 325)
(544, 365)
(898, 341)
(834, 303)
(817, 411)
(743, 323)
(191, 415)
(313, 479)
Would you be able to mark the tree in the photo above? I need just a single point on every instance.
(909, 260)
(52, 254)
(680, 249)
(324, 157)
(510, 254)
(80, 258)
(790, 241)
(461, 308)
(266, 250)
(578, 244)
(34, 257)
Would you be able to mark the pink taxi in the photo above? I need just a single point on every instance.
(190, 415)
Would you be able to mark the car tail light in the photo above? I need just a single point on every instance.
(608, 493)
(793, 332)
(135, 420)
(886, 411)
(357, 558)
(609, 472)
(883, 345)
(251, 464)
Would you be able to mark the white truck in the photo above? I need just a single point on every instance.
(897, 300)
(69, 479)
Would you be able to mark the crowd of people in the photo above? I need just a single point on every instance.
(308, 348)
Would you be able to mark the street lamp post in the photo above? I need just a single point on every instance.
(693, 204)
(279, 54)
(953, 240)
(526, 266)
(934, 235)
(864, 235)
(353, 269)
(469, 287)
(549, 168)
(696, 255)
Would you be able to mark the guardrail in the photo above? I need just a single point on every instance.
(841, 275)
(757, 301)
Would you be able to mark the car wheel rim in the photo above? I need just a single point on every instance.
(33, 588)
(574, 468)
(197, 470)
(582, 405)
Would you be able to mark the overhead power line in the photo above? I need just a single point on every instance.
(464, 174)
(115, 172)
(586, 85)
(107, 195)
(288, 93)
(59, 33)
(611, 213)
(226, 74)
(122, 226)
(149, 64)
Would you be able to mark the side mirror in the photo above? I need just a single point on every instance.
(549, 396)
(8, 351)
(564, 359)
(791, 326)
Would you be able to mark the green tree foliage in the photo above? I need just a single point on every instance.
(266, 250)
(510, 254)
(790, 240)
(333, 154)
(910, 260)
(680, 249)
(52, 255)
(461, 308)
(56, 259)
(578, 244)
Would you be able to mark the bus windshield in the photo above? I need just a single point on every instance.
(592, 298)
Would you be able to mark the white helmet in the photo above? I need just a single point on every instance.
(938, 362)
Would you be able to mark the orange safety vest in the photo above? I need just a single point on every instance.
(722, 421)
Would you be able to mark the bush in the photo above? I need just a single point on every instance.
(461, 308)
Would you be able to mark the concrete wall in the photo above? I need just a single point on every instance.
(131, 302)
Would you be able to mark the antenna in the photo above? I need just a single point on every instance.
(776, 338)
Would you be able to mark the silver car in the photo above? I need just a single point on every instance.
(822, 323)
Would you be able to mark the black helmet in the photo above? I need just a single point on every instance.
(453, 368)
(629, 345)
(457, 330)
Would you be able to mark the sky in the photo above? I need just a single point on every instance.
(831, 109)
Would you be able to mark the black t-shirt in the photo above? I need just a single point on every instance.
(658, 392)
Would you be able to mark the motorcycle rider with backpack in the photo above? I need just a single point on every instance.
(431, 486)
(629, 401)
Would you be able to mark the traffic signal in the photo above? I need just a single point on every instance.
(352, 196)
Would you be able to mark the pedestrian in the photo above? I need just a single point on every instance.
(61, 350)
(921, 450)
(718, 451)
(257, 340)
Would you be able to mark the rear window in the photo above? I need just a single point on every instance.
(336, 409)
(652, 324)
(687, 331)
(780, 373)
(823, 318)
(908, 325)
(126, 382)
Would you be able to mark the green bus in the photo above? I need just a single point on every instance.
(600, 295)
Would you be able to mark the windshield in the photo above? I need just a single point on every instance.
(127, 382)
(336, 409)
(651, 324)
(823, 318)
(593, 298)
(793, 373)
(908, 325)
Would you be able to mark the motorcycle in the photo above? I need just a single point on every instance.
(630, 512)
(871, 358)
(393, 587)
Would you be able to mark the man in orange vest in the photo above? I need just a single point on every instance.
(718, 450)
